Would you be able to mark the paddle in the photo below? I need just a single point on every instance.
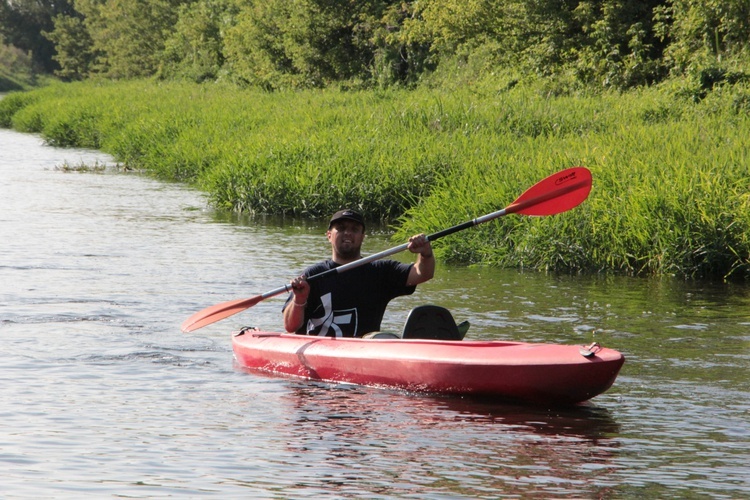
(555, 194)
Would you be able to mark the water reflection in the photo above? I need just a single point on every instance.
(454, 445)
(320, 401)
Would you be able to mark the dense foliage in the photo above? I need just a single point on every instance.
(279, 44)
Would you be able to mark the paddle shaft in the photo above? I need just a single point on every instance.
(385, 253)
(557, 193)
(513, 208)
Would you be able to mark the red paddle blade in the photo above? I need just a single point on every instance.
(555, 194)
(218, 312)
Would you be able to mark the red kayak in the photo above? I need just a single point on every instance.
(526, 372)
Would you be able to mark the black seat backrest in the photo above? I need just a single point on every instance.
(431, 322)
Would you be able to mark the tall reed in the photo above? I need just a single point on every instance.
(670, 189)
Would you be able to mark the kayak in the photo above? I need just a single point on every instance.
(551, 374)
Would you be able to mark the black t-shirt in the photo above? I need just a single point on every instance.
(352, 303)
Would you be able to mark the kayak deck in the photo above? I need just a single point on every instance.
(530, 372)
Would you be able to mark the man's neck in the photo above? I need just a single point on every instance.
(338, 259)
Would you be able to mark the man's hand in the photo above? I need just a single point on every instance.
(421, 245)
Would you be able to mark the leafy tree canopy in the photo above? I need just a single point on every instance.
(315, 43)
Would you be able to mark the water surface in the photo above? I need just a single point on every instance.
(102, 396)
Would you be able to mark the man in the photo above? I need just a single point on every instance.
(352, 303)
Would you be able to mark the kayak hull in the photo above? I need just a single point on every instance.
(518, 371)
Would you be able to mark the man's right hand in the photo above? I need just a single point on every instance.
(301, 290)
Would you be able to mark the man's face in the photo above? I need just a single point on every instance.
(346, 236)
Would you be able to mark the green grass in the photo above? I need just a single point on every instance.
(671, 179)
(17, 70)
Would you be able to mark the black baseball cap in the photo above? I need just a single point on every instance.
(347, 214)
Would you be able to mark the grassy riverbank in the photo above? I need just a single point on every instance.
(670, 172)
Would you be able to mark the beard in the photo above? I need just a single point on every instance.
(349, 251)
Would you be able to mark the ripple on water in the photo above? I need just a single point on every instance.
(101, 395)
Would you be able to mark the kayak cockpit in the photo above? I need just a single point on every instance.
(429, 322)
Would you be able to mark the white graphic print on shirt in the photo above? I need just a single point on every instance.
(332, 319)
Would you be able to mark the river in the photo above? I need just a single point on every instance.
(102, 396)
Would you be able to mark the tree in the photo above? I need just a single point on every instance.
(75, 48)
(314, 43)
(610, 42)
(614, 43)
(128, 36)
(705, 33)
(22, 23)
(195, 49)
(307, 43)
